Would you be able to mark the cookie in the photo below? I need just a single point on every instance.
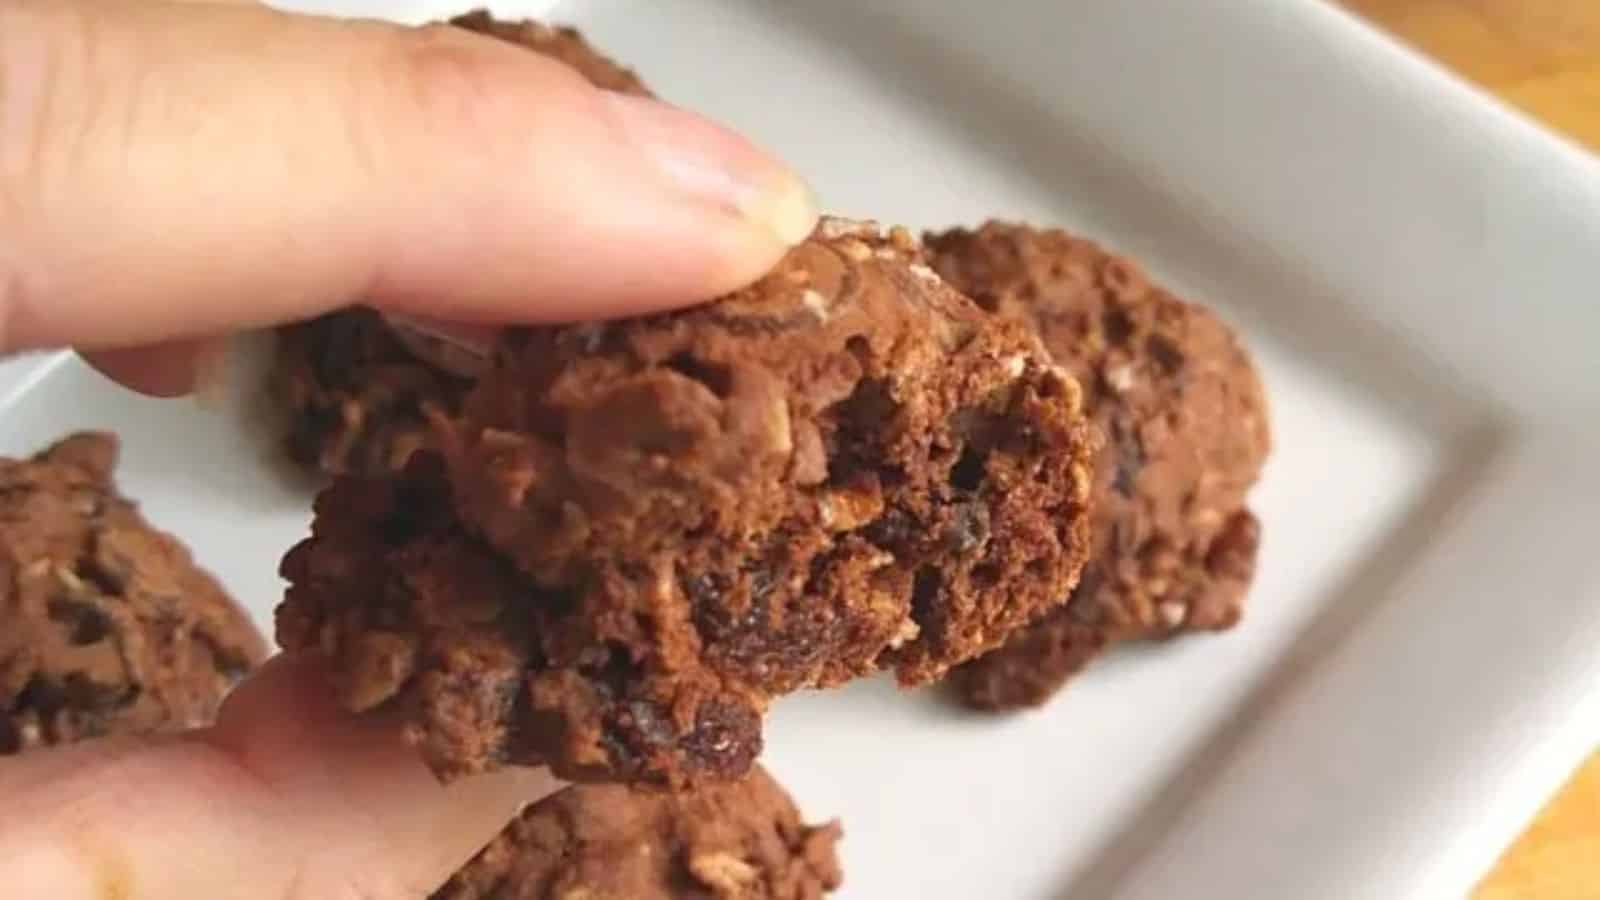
(107, 626)
(641, 531)
(742, 840)
(1185, 421)
(357, 393)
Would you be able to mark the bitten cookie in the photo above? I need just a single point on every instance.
(358, 393)
(1184, 415)
(107, 626)
(645, 529)
(743, 840)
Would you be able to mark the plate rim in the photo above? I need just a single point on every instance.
(1536, 444)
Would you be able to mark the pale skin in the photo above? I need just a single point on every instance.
(171, 174)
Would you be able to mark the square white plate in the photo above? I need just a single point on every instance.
(1415, 268)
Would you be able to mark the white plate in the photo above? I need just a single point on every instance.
(1415, 267)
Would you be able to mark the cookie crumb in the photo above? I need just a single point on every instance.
(729, 875)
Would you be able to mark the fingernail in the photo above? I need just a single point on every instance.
(706, 160)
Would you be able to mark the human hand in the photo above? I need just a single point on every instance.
(172, 173)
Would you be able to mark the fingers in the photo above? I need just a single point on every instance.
(169, 369)
(359, 795)
(285, 797)
(171, 171)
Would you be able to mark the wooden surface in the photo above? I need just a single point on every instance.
(1542, 56)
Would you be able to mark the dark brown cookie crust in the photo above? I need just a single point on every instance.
(561, 43)
(106, 624)
(1185, 417)
(357, 398)
(742, 840)
(844, 468)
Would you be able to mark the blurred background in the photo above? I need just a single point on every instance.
(1542, 57)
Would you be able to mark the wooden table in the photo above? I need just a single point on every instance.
(1542, 56)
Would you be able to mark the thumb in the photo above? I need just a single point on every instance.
(171, 171)
(286, 797)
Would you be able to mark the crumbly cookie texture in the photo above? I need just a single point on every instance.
(358, 394)
(358, 399)
(1185, 419)
(742, 840)
(107, 626)
(643, 530)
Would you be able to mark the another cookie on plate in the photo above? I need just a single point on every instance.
(742, 840)
(1184, 415)
(646, 529)
(107, 625)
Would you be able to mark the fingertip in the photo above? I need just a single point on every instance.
(287, 682)
(170, 369)
(603, 205)
(356, 777)
(528, 784)
(701, 161)
(754, 247)
(788, 209)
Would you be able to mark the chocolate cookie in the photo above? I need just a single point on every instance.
(358, 393)
(106, 624)
(1185, 420)
(742, 840)
(651, 527)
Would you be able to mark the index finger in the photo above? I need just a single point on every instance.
(286, 797)
(171, 171)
